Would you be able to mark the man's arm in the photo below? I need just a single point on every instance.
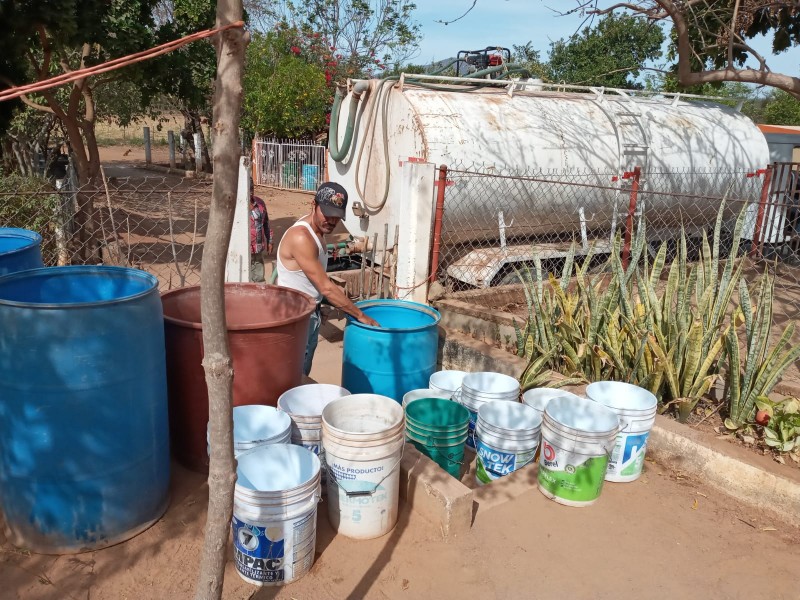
(304, 251)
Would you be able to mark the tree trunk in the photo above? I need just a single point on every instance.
(206, 160)
(230, 46)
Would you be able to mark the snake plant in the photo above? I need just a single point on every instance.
(666, 328)
(754, 371)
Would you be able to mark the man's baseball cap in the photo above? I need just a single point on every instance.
(332, 199)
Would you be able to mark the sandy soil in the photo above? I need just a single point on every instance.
(661, 536)
(140, 195)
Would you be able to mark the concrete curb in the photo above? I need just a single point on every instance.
(433, 493)
(458, 351)
(754, 480)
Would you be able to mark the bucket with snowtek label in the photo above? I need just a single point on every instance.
(506, 438)
(274, 522)
(363, 437)
(636, 408)
(479, 388)
(577, 438)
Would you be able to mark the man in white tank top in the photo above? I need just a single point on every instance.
(302, 260)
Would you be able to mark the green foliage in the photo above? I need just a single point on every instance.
(754, 364)
(668, 330)
(610, 54)
(44, 39)
(187, 74)
(782, 432)
(782, 109)
(367, 35)
(284, 95)
(531, 59)
(26, 202)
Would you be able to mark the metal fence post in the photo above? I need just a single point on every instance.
(171, 142)
(147, 155)
(437, 221)
(757, 244)
(626, 249)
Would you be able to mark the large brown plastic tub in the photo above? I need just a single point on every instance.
(267, 333)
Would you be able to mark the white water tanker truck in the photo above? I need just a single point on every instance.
(387, 137)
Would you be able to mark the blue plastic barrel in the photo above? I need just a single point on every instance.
(20, 249)
(84, 444)
(396, 358)
(310, 177)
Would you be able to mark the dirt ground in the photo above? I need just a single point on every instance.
(661, 536)
(150, 236)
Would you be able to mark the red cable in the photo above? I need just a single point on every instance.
(111, 65)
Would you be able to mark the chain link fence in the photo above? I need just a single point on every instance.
(154, 223)
(495, 222)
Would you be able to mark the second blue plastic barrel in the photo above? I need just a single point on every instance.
(396, 358)
(310, 177)
(20, 249)
(84, 446)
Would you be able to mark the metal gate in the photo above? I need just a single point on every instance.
(288, 164)
(777, 224)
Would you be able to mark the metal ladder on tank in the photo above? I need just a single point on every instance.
(634, 145)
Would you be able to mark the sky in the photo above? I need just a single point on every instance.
(509, 22)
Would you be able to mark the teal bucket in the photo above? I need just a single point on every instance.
(438, 428)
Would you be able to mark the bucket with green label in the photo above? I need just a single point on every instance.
(577, 439)
(636, 409)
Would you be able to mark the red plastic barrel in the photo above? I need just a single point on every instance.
(267, 333)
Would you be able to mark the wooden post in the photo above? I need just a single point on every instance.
(147, 156)
(171, 142)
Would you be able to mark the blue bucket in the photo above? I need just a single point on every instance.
(20, 249)
(84, 446)
(395, 358)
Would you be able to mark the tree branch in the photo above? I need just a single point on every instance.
(27, 101)
(732, 33)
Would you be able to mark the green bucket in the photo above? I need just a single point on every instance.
(442, 437)
(438, 428)
(449, 457)
(437, 414)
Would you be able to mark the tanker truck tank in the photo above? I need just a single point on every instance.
(501, 127)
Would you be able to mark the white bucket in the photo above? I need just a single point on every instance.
(479, 388)
(425, 393)
(636, 408)
(446, 381)
(506, 439)
(577, 439)
(256, 425)
(304, 404)
(363, 437)
(537, 398)
(275, 514)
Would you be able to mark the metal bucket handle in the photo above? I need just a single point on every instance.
(353, 494)
(456, 395)
(447, 458)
